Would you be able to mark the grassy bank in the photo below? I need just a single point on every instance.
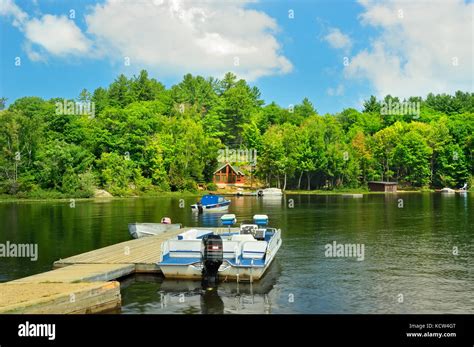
(58, 196)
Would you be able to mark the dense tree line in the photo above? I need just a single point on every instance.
(139, 136)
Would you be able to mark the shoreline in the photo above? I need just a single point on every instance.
(352, 191)
(6, 198)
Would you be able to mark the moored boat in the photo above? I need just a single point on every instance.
(270, 192)
(138, 230)
(211, 203)
(242, 254)
(462, 190)
(241, 192)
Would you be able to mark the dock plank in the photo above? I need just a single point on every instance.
(81, 273)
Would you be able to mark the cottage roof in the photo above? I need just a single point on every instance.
(236, 169)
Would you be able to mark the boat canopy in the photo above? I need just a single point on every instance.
(211, 199)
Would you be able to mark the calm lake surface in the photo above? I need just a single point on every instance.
(410, 263)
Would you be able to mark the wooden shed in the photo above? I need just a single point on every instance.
(381, 186)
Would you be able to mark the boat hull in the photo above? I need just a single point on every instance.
(224, 206)
(194, 273)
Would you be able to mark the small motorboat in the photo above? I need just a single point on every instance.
(355, 196)
(244, 193)
(463, 189)
(241, 254)
(447, 191)
(138, 230)
(211, 203)
(270, 192)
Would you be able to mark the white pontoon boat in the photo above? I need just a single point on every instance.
(240, 254)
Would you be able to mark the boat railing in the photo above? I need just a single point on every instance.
(251, 271)
(237, 252)
(274, 241)
(164, 249)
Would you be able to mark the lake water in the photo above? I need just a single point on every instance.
(418, 252)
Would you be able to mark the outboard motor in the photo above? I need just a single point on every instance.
(200, 208)
(212, 255)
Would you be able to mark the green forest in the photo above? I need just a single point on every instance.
(140, 137)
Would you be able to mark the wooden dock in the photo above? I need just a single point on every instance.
(84, 283)
(143, 253)
(49, 297)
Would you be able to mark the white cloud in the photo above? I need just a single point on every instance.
(32, 54)
(168, 36)
(173, 37)
(337, 39)
(9, 9)
(421, 47)
(57, 35)
(338, 91)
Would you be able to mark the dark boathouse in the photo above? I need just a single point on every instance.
(380, 186)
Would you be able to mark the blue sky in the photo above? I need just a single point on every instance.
(395, 47)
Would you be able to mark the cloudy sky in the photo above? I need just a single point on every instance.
(336, 53)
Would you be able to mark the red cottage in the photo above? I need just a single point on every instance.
(228, 174)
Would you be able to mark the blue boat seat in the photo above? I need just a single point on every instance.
(231, 248)
(184, 248)
(254, 249)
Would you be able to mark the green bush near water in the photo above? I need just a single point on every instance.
(211, 187)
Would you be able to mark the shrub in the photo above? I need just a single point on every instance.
(87, 184)
(212, 187)
(189, 185)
